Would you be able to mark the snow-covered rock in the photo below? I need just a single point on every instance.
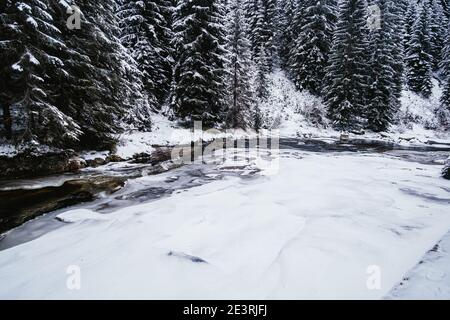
(80, 215)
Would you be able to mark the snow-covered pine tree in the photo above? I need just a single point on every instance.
(445, 65)
(399, 10)
(437, 32)
(165, 34)
(419, 58)
(257, 39)
(145, 32)
(105, 88)
(257, 118)
(199, 75)
(263, 28)
(295, 27)
(241, 100)
(98, 90)
(31, 73)
(446, 9)
(270, 34)
(286, 16)
(445, 104)
(381, 99)
(262, 72)
(445, 61)
(410, 19)
(346, 81)
(309, 53)
(137, 101)
(251, 13)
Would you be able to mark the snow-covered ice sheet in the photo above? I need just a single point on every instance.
(310, 231)
(430, 278)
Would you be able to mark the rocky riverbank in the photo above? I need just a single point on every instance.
(31, 164)
(19, 205)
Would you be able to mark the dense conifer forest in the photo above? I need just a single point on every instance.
(77, 86)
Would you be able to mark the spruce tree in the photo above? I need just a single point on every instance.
(445, 65)
(199, 86)
(263, 28)
(445, 61)
(270, 33)
(382, 100)
(399, 10)
(99, 94)
(105, 89)
(262, 71)
(437, 32)
(66, 87)
(138, 103)
(145, 32)
(251, 12)
(346, 81)
(165, 34)
(419, 58)
(257, 119)
(410, 19)
(31, 73)
(446, 9)
(295, 27)
(309, 54)
(285, 29)
(241, 99)
(445, 99)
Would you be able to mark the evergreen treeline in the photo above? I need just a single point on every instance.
(209, 60)
(66, 87)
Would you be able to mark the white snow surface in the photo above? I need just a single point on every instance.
(430, 279)
(92, 155)
(310, 231)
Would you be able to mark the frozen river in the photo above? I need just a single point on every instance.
(328, 221)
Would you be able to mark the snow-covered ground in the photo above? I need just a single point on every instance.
(430, 279)
(318, 228)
